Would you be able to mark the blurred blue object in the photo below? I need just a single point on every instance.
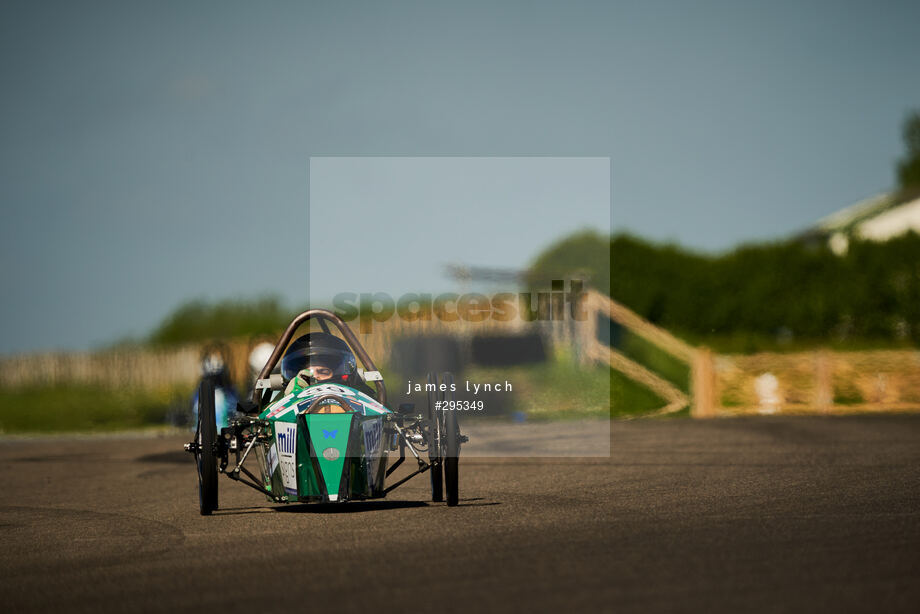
(225, 400)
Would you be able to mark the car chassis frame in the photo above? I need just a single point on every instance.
(435, 432)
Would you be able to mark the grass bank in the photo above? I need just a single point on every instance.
(73, 408)
(562, 389)
(558, 389)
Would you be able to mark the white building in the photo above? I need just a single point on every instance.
(879, 218)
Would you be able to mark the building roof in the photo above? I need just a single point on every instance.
(848, 218)
(879, 218)
(891, 222)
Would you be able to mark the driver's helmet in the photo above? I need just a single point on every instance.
(319, 350)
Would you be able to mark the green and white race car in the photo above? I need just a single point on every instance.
(319, 433)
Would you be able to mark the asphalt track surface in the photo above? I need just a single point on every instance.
(737, 515)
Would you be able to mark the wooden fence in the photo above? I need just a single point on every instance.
(148, 369)
(158, 368)
(820, 382)
(766, 383)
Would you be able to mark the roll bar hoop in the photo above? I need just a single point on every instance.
(321, 314)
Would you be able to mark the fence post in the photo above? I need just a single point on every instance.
(824, 389)
(703, 384)
(588, 334)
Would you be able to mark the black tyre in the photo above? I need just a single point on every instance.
(207, 452)
(451, 442)
(434, 440)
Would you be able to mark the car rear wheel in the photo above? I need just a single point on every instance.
(206, 456)
(434, 439)
(451, 437)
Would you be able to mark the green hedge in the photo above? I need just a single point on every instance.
(203, 321)
(755, 295)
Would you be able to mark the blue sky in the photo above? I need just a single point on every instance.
(386, 224)
(156, 152)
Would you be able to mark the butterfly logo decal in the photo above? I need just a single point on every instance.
(330, 434)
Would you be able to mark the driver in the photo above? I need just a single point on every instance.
(321, 357)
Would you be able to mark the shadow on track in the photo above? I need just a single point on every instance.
(350, 507)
